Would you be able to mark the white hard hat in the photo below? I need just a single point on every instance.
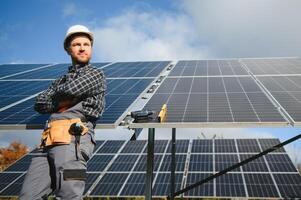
(77, 29)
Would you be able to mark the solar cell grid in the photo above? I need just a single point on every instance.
(99, 162)
(109, 184)
(134, 185)
(7, 178)
(134, 146)
(202, 146)
(10, 69)
(223, 161)
(280, 163)
(289, 185)
(22, 164)
(247, 145)
(159, 146)
(230, 185)
(180, 163)
(202, 190)
(260, 185)
(201, 163)
(91, 177)
(123, 163)
(268, 143)
(273, 66)
(224, 146)
(258, 164)
(162, 184)
(141, 165)
(181, 146)
(111, 146)
(15, 188)
(287, 91)
(213, 99)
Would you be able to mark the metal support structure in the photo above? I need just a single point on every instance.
(150, 163)
(173, 164)
(237, 165)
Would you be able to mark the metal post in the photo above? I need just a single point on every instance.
(173, 164)
(150, 163)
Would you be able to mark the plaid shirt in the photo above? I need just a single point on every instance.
(83, 83)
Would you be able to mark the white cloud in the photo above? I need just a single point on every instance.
(69, 10)
(148, 35)
(249, 28)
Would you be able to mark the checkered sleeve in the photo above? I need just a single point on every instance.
(84, 85)
(44, 101)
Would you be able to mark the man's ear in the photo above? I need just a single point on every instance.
(68, 50)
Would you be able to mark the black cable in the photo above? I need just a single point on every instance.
(236, 165)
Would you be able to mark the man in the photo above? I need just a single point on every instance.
(75, 101)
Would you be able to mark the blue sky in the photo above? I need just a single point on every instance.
(32, 31)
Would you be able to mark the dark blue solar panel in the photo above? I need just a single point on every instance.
(141, 165)
(267, 143)
(91, 178)
(247, 146)
(123, 163)
(202, 190)
(111, 146)
(260, 185)
(224, 146)
(135, 185)
(98, 162)
(223, 161)
(159, 146)
(7, 178)
(230, 185)
(162, 184)
(257, 165)
(12, 91)
(280, 163)
(201, 162)
(135, 69)
(289, 185)
(98, 144)
(201, 146)
(109, 184)
(134, 146)
(10, 69)
(22, 164)
(181, 146)
(15, 188)
(180, 162)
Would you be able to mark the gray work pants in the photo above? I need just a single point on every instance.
(45, 174)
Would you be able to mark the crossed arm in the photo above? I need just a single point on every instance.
(64, 92)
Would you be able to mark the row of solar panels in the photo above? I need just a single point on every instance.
(117, 168)
(244, 91)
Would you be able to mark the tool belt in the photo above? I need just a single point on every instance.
(61, 131)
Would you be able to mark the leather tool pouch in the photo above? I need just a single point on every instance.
(58, 131)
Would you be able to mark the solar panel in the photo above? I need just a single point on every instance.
(224, 146)
(230, 185)
(223, 161)
(11, 69)
(141, 165)
(162, 184)
(135, 69)
(214, 99)
(134, 185)
(201, 163)
(267, 143)
(204, 190)
(247, 146)
(119, 171)
(260, 185)
(159, 146)
(287, 91)
(273, 66)
(109, 184)
(181, 146)
(202, 146)
(13, 91)
(112, 146)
